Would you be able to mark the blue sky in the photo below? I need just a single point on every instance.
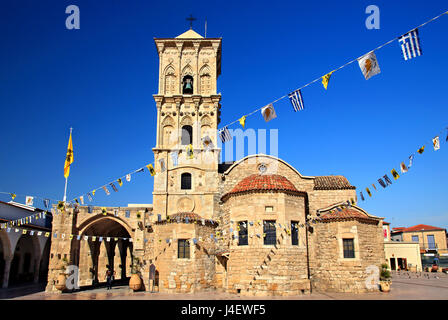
(100, 80)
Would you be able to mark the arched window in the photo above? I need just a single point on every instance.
(187, 135)
(187, 85)
(185, 183)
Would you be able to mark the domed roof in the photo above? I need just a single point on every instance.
(263, 182)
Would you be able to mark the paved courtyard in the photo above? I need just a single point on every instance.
(412, 286)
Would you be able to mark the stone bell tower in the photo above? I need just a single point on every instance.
(188, 110)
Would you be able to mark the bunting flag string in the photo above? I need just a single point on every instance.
(409, 44)
(30, 199)
(403, 168)
(24, 220)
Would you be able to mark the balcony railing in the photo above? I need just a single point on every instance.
(428, 246)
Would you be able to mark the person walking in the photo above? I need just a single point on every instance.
(109, 277)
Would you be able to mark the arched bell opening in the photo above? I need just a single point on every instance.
(187, 85)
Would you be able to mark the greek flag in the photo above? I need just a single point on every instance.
(410, 45)
(225, 135)
(296, 100)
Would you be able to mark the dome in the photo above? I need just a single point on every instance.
(263, 182)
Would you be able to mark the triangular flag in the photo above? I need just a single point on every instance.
(120, 183)
(82, 199)
(190, 153)
(403, 168)
(395, 174)
(93, 192)
(242, 121)
(421, 150)
(105, 190)
(13, 196)
(268, 112)
(326, 79)
(128, 177)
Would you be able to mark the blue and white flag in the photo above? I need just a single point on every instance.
(90, 197)
(113, 187)
(411, 158)
(46, 203)
(296, 100)
(388, 181)
(410, 45)
(174, 157)
(381, 182)
(224, 135)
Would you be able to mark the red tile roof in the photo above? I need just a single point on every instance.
(262, 182)
(420, 227)
(190, 215)
(183, 215)
(346, 214)
(332, 183)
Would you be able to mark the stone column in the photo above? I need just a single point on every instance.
(8, 261)
(36, 269)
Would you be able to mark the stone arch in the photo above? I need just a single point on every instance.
(186, 121)
(99, 218)
(206, 127)
(111, 251)
(168, 132)
(169, 80)
(25, 260)
(205, 80)
(187, 71)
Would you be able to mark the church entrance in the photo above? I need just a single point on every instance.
(112, 252)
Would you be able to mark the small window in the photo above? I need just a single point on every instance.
(269, 209)
(187, 135)
(185, 183)
(269, 232)
(183, 249)
(294, 233)
(349, 248)
(414, 238)
(242, 233)
(128, 214)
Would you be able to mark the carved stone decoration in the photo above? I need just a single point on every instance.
(185, 204)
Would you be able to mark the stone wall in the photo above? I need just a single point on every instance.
(330, 271)
(259, 269)
(181, 275)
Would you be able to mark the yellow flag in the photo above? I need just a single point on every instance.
(151, 169)
(190, 153)
(326, 79)
(395, 174)
(69, 157)
(368, 192)
(242, 121)
(120, 182)
(421, 150)
(93, 192)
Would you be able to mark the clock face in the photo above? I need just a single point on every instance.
(262, 168)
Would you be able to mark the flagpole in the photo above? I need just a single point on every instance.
(66, 179)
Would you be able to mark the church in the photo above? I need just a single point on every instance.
(254, 227)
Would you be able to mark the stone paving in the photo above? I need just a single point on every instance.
(405, 286)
